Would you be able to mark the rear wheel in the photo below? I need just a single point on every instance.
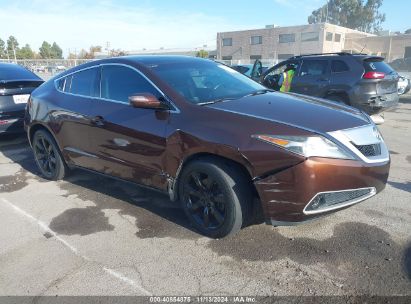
(215, 197)
(338, 98)
(47, 156)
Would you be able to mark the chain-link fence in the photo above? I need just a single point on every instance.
(265, 62)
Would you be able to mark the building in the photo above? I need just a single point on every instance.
(279, 43)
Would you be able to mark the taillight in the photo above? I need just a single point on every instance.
(373, 75)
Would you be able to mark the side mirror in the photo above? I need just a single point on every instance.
(146, 101)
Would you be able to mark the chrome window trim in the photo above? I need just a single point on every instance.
(175, 109)
(373, 191)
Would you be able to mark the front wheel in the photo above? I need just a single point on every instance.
(215, 197)
(47, 156)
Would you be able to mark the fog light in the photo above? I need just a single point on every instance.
(327, 201)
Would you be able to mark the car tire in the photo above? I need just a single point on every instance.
(215, 196)
(338, 98)
(47, 156)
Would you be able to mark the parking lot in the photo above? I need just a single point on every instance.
(90, 235)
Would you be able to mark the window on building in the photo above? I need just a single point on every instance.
(337, 38)
(310, 36)
(255, 57)
(314, 68)
(284, 56)
(85, 83)
(256, 40)
(339, 66)
(329, 36)
(227, 58)
(120, 82)
(227, 41)
(286, 38)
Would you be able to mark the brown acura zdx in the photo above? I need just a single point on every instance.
(208, 136)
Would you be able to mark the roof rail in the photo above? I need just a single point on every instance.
(325, 54)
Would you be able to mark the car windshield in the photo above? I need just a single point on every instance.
(206, 82)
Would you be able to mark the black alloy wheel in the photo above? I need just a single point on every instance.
(215, 197)
(205, 200)
(47, 156)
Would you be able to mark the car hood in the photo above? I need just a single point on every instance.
(297, 110)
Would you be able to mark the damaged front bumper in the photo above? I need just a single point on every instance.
(318, 186)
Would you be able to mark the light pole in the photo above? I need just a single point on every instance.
(326, 16)
(14, 51)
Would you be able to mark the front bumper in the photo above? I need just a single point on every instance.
(285, 195)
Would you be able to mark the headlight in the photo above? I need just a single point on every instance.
(307, 145)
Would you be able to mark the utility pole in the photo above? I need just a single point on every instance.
(14, 51)
(326, 16)
(108, 48)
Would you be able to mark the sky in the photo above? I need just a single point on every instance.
(152, 24)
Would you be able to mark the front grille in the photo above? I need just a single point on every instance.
(369, 150)
(332, 200)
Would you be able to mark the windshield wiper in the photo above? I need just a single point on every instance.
(216, 101)
(260, 92)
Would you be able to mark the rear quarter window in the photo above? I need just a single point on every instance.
(339, 66)
(85, 83)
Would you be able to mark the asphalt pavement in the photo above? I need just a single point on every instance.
(91, 235)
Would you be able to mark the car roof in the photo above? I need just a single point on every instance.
(12, 71)
(335, 56)
(148, 60)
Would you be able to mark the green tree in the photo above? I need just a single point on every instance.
(56, 52)
(45, 50)
(25, 52)
(408, 31)
(362, 15)
(12, 46)
(202, 54)
(3, 53)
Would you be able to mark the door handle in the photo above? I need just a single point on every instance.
(322, 79)
(98, 121)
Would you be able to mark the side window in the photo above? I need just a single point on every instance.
(120, 82)
(314, 68)
(60, 84)
(339, 66)
(85, 83)
(279, 70)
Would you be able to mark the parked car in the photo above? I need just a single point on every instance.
(247, 69)
(208, 136)
(362, 81)
(16, 84)
(404, 85)
(401, 64)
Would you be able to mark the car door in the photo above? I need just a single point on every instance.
(129, 142)
(313, 78)
(71, 119)
(257, 70)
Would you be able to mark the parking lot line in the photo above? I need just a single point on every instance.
(44, 227)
